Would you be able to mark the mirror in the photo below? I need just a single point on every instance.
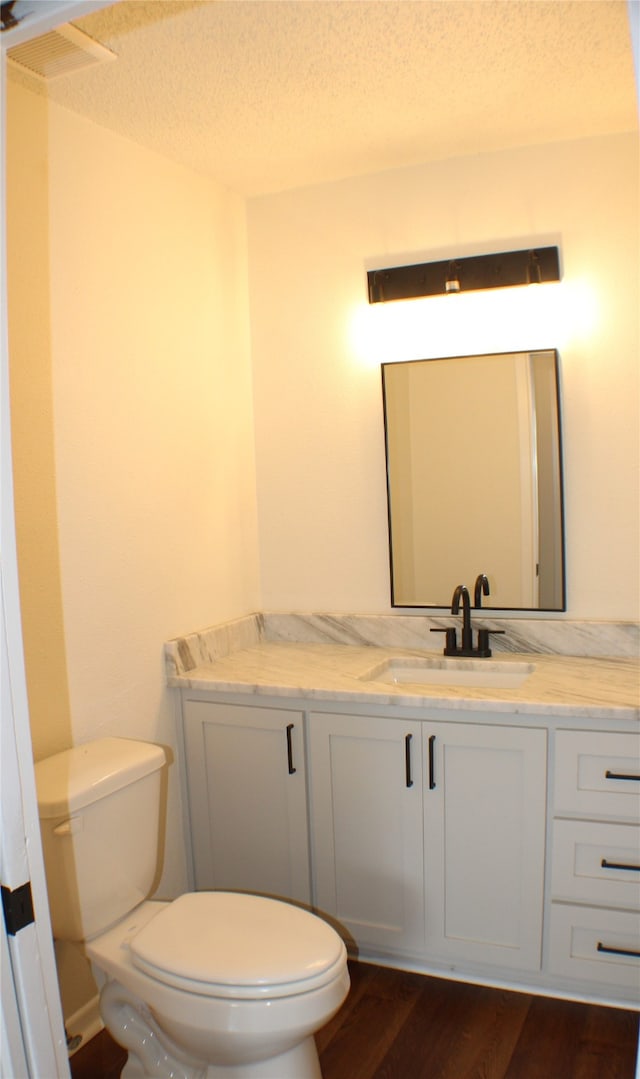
(474, 479)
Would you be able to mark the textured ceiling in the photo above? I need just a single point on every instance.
(265, 95)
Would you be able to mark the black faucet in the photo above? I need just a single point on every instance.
(466, 649)
(462, 593)
(481, 588)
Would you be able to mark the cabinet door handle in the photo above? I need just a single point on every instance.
(618, 865)
(620, 775)
(290, 750)
(617, 951)
(407, 760)
(432, 766)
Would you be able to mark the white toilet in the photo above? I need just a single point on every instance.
(214, 985)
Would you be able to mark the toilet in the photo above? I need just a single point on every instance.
(213, 985)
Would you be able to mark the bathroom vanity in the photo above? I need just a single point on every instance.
(486, 832)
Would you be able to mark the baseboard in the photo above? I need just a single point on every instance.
(83, 1025)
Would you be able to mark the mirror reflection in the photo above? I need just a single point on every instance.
(474, 479)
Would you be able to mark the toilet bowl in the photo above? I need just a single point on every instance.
(220, 984)
(228, 984)
(213, 985)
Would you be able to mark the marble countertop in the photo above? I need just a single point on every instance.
(561, 685)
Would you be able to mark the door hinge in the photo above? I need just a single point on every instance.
(18, 908)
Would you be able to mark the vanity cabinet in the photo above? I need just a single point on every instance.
(429, 838)
(246, 784)
(503, 848)
(595, 880)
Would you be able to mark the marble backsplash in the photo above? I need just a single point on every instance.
(205, 646)
(619, 640)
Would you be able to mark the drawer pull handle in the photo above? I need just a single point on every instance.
(407, 760)
(290, 750)
(617, 951)
(619, 865)
(620, 775)
(432, 766)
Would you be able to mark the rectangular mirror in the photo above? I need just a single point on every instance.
(474, 479)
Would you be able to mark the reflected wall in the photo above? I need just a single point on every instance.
(474, 479)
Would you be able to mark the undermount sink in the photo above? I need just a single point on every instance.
(423, 670)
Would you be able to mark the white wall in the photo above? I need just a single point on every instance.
(153, 426)
(317, 347)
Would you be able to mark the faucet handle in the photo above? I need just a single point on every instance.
(450, 647)
(483, 641)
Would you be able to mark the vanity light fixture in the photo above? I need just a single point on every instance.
(527, 267)
(452, 282)
(534, 273)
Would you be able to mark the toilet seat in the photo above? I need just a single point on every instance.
(234, 945)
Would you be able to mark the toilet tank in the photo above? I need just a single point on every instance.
(99, 809)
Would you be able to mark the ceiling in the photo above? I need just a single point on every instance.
(265, 95)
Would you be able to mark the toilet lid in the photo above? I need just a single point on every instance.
(237, 945)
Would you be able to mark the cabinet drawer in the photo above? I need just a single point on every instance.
(588, 944)
(597, 775)
(596, 863)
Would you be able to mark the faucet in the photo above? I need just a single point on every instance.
(461, 594)
(481, 588)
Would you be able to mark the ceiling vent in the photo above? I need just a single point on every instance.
(60, 52)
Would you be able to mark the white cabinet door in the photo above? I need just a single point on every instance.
(484, 814)
(366, 828)
(247, 798)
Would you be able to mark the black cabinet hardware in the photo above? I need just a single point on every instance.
(620, 775)
(483, 640)
(407, 760)
(432, 771)
(617, 951)
(290, 750)
(618, 865)
(450, 648)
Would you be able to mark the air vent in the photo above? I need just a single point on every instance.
(60, 52)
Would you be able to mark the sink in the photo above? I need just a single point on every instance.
(478, 673)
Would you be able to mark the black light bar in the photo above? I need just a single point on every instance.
(528, 267)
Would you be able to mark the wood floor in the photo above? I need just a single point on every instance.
(395, 1025)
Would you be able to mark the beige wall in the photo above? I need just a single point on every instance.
(142, 365)
(317, 347)
(32, 420)
(154, 428)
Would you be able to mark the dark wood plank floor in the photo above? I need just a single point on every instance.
(396, 1025)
